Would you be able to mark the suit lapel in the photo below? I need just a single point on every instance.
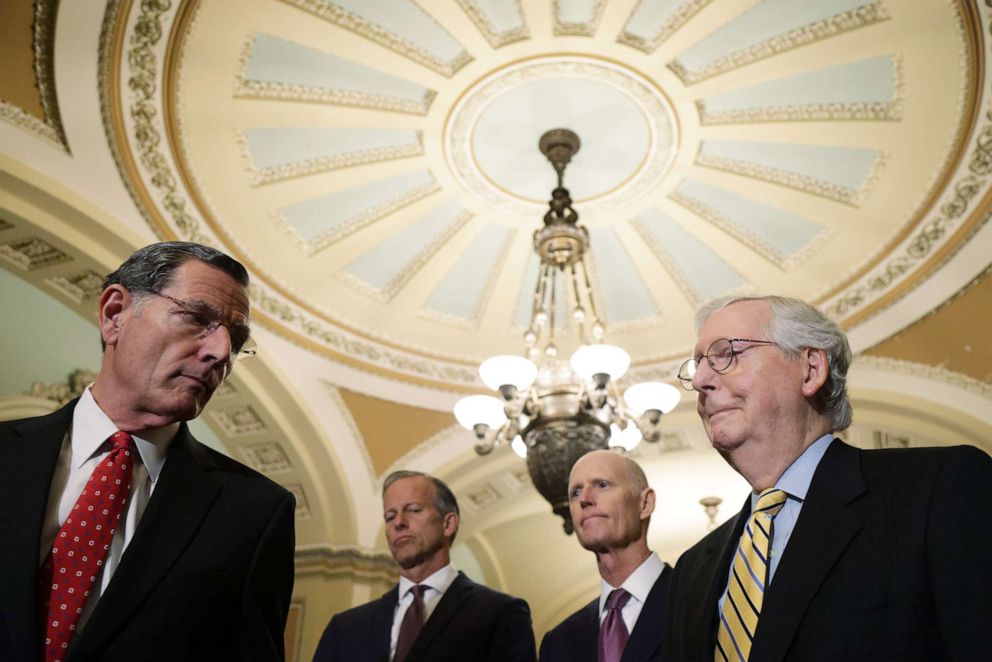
(182, 498)
(709, 581)
(645, 640)
(27, 462)
(825, 527)
(584, 637)
(381, 625)
(460, 590)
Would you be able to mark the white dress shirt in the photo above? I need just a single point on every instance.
(437, 584)
(639, 584)
(86, 449)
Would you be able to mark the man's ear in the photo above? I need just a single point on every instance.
(647, 500)
(817, 369)
(113, 302)
(450, 524)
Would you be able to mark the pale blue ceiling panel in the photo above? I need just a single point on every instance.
(276, 153)
(324, 219)
(286, 64)
(501, 20)
(625, 296)
(765, 21)
(840, 173)
(400, 25)
(653, 21)
(869, 85)
(778, 234)
(700, 272)
(462, 293)
(391, 263)
(576, 11)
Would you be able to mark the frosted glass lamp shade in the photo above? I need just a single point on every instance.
(506, 370)
(480, 409)
(651, 395)
(626, 439)
(589, 360)
(518, 446)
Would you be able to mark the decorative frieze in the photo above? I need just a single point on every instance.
(32, 253)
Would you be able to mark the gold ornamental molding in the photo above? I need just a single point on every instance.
(360, 563)
(139, 57)
(489, 31)
(679, 17)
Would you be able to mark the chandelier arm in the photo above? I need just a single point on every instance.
(553, 308)
(593, 310)
(580, 321)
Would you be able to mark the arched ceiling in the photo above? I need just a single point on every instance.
(376, 163)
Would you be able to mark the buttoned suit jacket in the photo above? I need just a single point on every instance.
(576, 639)
(889, 560)
(207, 575)
(470, 623)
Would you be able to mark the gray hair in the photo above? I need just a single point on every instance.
(150, 269)
(444, 499)
(796, 325)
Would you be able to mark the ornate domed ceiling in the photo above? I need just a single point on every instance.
(376, 163)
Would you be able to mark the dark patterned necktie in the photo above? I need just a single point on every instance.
(613, 633)
(81, 546)
(413, 621)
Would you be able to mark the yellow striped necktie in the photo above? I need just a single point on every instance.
(746, 588)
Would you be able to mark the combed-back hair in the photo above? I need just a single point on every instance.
(795, 325)
(150, 269)
(444, 499)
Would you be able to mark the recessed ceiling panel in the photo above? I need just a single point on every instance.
(625, 297)
(696, 267)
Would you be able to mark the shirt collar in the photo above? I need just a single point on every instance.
(638, 584)
(439, 581)
(796, 479)
(91, 427)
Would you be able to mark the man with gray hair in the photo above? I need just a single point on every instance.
(839, 553)
(435, 613)
(125, 538)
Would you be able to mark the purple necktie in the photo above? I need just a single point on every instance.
(413, 621)
(613, 633)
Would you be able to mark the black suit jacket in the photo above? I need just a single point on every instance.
(889, 560)
(471, 622)
(576, 639)
(207, 575)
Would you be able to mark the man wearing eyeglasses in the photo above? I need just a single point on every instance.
(124, 537)
(838, 553)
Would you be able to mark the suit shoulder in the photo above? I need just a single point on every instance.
(361, 615)
(578, 620)
(26, 426)
(496, 598)
(234, 473)
(929, 458)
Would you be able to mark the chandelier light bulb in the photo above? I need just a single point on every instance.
(590, 360)
(598, 330)
(475, 410)
(651, 395)
(530, 337)
(551, 351)
(541, 317)
(518, 446)
(579, 314)
(508, 370)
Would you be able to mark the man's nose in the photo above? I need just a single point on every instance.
(704, 376)
(217, 344)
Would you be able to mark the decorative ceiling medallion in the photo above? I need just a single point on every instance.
(522, 101)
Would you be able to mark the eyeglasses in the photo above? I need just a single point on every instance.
(202, 319)
(719, 357)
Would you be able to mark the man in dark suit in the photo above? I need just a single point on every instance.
(839, 553)
(192, 558)
(611, 505)
(435, 614)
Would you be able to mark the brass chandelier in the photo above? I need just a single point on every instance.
(553, 411)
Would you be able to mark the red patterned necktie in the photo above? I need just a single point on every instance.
(613, 633)
(82, 545)
(413, 622)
